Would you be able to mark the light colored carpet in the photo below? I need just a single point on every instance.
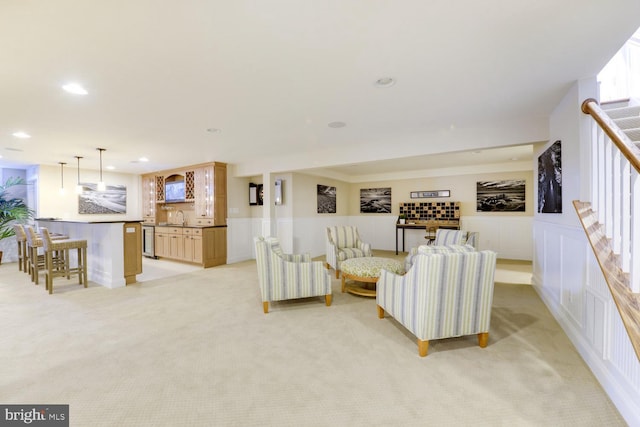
(195, 349)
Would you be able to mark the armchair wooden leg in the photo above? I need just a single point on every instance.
(380, 312)
(423, 347)
(343, 284)
(327, 299)
(483, 339)
(337, 273)
(265, 306)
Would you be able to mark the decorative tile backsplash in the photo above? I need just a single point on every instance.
(422, 211)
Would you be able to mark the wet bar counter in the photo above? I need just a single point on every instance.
(114, 248)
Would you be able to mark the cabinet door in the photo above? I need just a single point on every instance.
(188, 248)
(159, 188)
(196, 245)
(160, 240)
(149, 198)
(203, 203)
(219, 202)
(214, 246)
(176, 246)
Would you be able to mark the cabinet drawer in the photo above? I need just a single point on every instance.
(174, 230)
(204, 221)
(192, 231)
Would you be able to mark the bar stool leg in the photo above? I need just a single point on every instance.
(82, 261)
(34, 266)
(48, 265)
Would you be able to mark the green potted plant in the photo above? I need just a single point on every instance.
(402, 218)
(12, 209)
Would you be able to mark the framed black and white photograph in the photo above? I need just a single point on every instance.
(260, 194)
(550, 180)
(253, 194)
(375, 200)
(500, 196)
(111, 201)
(326, 199)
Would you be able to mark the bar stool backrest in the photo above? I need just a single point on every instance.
(20, 234)
(31, 235)
(46, 239)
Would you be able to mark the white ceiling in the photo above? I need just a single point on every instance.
(271, 75)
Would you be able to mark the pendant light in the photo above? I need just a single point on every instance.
(101, 185)
(78, 186)
(61, 177)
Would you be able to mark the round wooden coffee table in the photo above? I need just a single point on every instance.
(365, 273)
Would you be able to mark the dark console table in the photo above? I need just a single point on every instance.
(450, 224)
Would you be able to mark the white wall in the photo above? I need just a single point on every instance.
(52, 204)
(566, 273)
(301, 229)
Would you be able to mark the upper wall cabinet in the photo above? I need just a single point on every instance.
(160, 188)
(220, 194)
(203, 185)
(149, 198)
(210, 203)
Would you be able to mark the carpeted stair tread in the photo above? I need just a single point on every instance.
(633, 134)
(618, 113)
(628, 122)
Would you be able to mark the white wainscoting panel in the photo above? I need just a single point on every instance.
(240, 233)
(284, 232)
(510, 236)
(573, 274)
(380, 231)
(595, 322)
(566, 273)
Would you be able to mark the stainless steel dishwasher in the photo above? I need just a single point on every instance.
(148, 245)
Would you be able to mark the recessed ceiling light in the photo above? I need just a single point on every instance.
(385, 82)
(110, 168)
(514, 158)
(336, 125)
(213, 130)
(75, 89)
(143, 159)
(21, 134)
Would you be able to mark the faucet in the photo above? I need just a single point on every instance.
(182, 213)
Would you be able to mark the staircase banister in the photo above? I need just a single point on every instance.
(591, 107)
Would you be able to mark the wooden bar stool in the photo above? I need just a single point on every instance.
(34, 261)
(57, 261)
(431, 228)
(21, 240)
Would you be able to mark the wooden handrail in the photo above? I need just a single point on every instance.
(627, 148)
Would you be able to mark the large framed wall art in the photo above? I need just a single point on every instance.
(375, 200)
(500, 196)
(111, 201)
(550, 180)
(326, 196)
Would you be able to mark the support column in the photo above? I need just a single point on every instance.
(269, 224)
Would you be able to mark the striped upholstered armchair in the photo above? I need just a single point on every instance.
(285, 276)
(446, 237)
(431, 249)
(343, 242)
(442, 295)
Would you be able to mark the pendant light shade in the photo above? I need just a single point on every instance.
(61, 176)
(101, 185)
(78, 186)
